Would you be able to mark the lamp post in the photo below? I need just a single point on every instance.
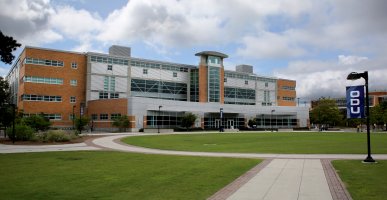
(271, 120)
(298, 101)
(74, 117)
(158, 121)
(355, 76)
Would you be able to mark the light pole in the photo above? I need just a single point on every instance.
(355, 76)
(271, 120)
(158, 121)
(298, 101)
(74, 117)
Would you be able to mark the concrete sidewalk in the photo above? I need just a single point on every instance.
(45, 148)
(287, 179)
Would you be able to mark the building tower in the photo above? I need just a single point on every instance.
(211, 75)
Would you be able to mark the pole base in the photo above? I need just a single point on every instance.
(369, 159)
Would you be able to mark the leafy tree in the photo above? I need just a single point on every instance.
(326, 112)
(80, 123)
(4, 92)
(121, 122)
(37, 122)
(7, 45)
(188, 120)
(252, 122)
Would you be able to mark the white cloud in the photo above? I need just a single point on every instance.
(269, 45)
(27, 21)
(350, 60)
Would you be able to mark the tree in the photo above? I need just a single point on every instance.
(188, 120)
(326, 112)
(252, 122)
(80, 123)
(122, 122)
(37, 122)
(7, 45)
(5, 108)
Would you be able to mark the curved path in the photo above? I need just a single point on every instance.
(114, 143)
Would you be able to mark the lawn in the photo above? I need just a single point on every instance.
(115, 175)
(287, 143)
(363, 181)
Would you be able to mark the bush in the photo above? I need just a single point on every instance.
(37, 122)
(22, 133)
(57, 136)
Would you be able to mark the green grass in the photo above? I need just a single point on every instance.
(287, 143)
(363, 181)
(115, 175)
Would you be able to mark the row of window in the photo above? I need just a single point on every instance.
(37, 61)
(105, 116)
(145, 71)
(35, 79)
(47, 62)
(104, 59)
(47, 80)
(247, 77)
(108, 95)
(288, 98)
(47, 116)
(33, 97)
(286, 87)
(158, 66)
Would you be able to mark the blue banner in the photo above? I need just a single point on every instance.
(355, 101)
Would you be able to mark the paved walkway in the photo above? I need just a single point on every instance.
(287, 179)
(280, 176)
(45, 148)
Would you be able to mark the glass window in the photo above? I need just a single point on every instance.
(114, 95)
(94, 116)
(103, 116)
(266, 84)
(145, 71)
(72, 99)
(110, 67)
(73, 82)
(174, 74)
(246, 82)
(74, 65)
(115, 115)
(103, 95)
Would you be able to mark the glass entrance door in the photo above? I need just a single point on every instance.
(230, 124)
(217, 123)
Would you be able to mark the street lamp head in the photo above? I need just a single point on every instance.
(355, 75)
(160, 107)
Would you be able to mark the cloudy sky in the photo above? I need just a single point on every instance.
(315, 42)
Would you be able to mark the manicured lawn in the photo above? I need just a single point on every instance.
(115, 175)
(363, 181)
(291, 143)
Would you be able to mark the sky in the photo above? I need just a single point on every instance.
(315, 42)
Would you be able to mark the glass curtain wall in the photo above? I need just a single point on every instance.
(239, 96)
(159, 89)
(163, 119)
(213, 84)
(194, 85)
(276, 121)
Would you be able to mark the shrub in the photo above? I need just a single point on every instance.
(57, 136)
(22, 133)
(80, 123)
(37, 122)
(122, 122)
